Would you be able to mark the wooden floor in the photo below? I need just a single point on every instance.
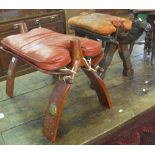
(83, 117)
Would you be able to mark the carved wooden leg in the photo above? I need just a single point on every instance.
(100, 88)
(54, 110)
(131, 47)
(11, 76)
(124, 54)
(109, 51)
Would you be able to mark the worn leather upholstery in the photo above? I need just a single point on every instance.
(47, 49)
(100, 23)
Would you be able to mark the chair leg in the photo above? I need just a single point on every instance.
(11, 76)
(100, 88)
(54, 109)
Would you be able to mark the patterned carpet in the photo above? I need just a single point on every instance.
(139, 132)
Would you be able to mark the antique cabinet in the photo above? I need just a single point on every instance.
(114, 12)
(52, 19)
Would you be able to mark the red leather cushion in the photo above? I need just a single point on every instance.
(47, 49)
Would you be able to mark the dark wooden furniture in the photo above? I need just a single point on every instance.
(120, 40)
(150, 35)
(111, 44)
(115, 12)
(52, 19)
(79, 48)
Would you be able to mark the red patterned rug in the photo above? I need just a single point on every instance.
(140, 131)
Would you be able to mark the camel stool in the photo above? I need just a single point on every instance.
(105, 28)
(59, 55)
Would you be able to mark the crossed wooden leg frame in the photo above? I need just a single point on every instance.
(62, 87)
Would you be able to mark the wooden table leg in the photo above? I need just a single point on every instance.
(11, 76)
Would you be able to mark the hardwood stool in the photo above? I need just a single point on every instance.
(59, 55)
(113, 31)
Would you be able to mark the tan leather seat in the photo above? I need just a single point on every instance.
(47, 49)
(103, 24)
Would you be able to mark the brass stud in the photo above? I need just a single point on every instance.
(53, 109)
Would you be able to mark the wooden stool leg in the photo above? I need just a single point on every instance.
(109, 51)
(100, 88)
(54, 110)
(131, 47)
(61, 91)
(11, 76)
(12, 66)
(124, 54)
